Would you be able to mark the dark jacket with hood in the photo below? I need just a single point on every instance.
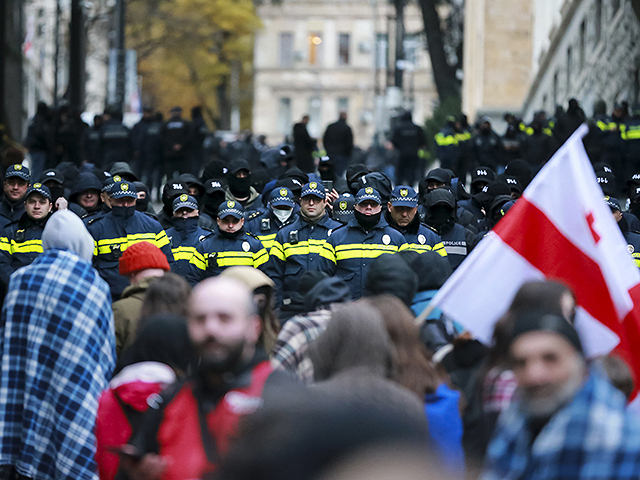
(10, 212)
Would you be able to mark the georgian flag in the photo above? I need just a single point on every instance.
(560, 229)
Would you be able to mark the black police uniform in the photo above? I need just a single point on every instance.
(185, 235)
(20, 244)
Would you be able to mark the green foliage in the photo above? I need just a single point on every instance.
(450, 106)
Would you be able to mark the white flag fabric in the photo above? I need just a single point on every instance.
(560, 229)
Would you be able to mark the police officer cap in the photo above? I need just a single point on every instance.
(343, 208)
(19, 171)
(231, 207)
(439, 175)
(613, 203)
(281, 197)
(184, 201)
(404, 196)
(51, 175)
(38, 188)
(482, 174)
(123, 189)
(313, 188)
(368, 193)
(238, 165)
(546, 322)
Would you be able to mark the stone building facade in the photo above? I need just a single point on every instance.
(593, 54)
(319, 57)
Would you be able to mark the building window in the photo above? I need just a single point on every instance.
(315, 120)
(286, 49)
(569, 71)
(583, 34)
(343, 105)
(382, 50)
(343, 49)
(411, 44)
(315, 49)
(284, 116)
(598, 21)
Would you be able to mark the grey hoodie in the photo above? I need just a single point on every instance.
(65, 231)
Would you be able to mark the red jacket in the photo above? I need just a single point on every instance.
(132, 386)
(173, 430)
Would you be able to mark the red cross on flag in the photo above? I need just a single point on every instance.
(560, 229)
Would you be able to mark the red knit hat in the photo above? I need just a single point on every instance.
(141, 256)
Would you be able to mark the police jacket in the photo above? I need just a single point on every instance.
(295, 250)
(447, 149)
(115, 143)
(408, 137)
(20, 244)
(193, 424)
(458, 242)
(185, 235)
(349, 250)
(113, 233)
(10, 212)
(219, 251)
(265, 225)
(633, 240)
(419, 237)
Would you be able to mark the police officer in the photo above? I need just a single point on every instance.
(175, 134)
(15, 185)
(297, 246)
(185, 233)
(401, 214)
(349, 249)
(632, 238)
(21, 241)
(441, 215)
(171, 190)
(121, 227)
(228, 246)
(54, 181)
(343, 208)
(280, 212)
(115, 142)
(447, 149)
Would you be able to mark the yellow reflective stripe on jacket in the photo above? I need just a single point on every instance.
(183, 253)
(277, 251)
(103, 246)
(439, 248)
(602, 125)
(267, 240)
(28, 246)
(234, 259)
(632, 134)
(416, 247)
(636, 258)
(445, 140)
(260, 257)
(328, 252)
(463, 137)
(5, 246)
(162, 239)
(303, 248)
(198, 261)
(363, 250)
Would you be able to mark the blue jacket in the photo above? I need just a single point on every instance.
(20, 244)
(184, 237)
(349, 250)
(10, 213)
(442, 409)
(217, 252)
(420, 238)
(295, 250)
(112, 235)
(457, 245)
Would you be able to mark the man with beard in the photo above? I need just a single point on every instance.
(402, 215)
(189, 427)
(350, 249)
(568, 421)
(240, 189)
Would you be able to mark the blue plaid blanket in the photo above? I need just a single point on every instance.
(593, 437)
(58, 352)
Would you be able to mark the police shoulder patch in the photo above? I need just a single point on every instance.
(254, 215)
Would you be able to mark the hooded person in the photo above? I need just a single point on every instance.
(143, 204)
(161, 355)
(59, 300)
(486, 197)
(240, 189)
(86, 194)
(172, 189)
(353, 174)
(380, 182)
(123, 170)
(440, 213)
(214, 195)
(390, 275)
(55, 182)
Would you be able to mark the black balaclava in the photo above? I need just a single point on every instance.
(239, 187)
(211, 202)
(123, 212)
(142, 204)
(367, 221)
(442, 218)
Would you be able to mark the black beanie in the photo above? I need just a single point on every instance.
(389, 274)
(548, 322)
